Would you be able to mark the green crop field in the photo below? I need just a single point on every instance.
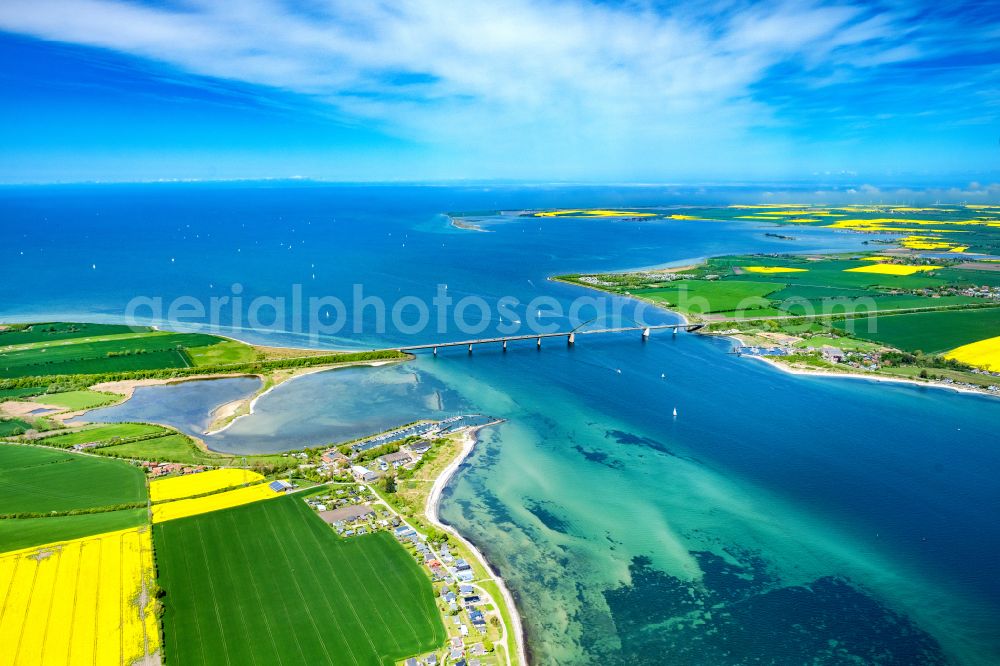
(872, 301)
(50, 332)
(712, 296)
(222, 353)
(130, 350)
(27, 532)
(930, 332)
(18, 393)
(77, 400)
(173, 447)
(271, 583)
(35, 480)
(103, 433)
(9, 427)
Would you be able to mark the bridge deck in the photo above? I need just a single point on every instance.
(538, 336)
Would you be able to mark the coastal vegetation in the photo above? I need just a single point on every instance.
(851, 311)
(316, 598)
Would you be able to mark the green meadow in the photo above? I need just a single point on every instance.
(78, 400)
(20, 334)
(711, 296)
(10, 427)
(36, 480)
(103, 433)
(27, 532)
(929, 332)
(71, 349)
(272, 583)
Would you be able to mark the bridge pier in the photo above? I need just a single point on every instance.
(505, 345)
(571, 338)
(645, 333)
(538, 343)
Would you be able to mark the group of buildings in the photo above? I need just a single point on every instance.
(459, 597)
(158, 469)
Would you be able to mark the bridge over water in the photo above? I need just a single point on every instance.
(537, 337)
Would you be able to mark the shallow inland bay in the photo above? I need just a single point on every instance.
(777, 519)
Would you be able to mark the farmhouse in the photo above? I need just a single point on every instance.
(347, 513)
(280, 486)
(363, 473)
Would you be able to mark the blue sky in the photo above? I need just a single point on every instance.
(550, 90)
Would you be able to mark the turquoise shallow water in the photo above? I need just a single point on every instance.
(777, 519)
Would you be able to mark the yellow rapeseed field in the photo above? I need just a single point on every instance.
(85, 601)
(773, 269)
(192, 507)
(200, 483)
(983, 354)
(891, 269)
(593, 212)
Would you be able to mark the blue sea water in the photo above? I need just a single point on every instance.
(776, 519)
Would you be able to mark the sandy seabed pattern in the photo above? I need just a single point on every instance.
(83, 601)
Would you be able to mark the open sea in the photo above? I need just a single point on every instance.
(776, 519)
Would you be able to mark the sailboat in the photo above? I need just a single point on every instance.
(675, 412)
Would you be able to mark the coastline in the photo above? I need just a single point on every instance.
(870, 377)
(786, 368)
(469, 441)
(235, 405)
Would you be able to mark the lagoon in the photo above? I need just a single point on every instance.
(778, 517)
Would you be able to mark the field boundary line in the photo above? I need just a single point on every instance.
(256, 594)
(197, 620)
(211, 585)
(243, 617)
(76, 598)
(10, 586)
(121, 599)
(378, 612)
(27, 609)
(284, 605)
(375, 571)
(298, 590)
(52, 597)
(349, 599)
(97, 597)
(413, 588)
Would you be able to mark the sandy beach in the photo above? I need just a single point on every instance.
(469, 440)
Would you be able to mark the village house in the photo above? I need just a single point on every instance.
(832, 354)
(335, 458)
(363, 473)
(394, 460)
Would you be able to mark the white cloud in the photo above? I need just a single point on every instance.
(495, 76)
